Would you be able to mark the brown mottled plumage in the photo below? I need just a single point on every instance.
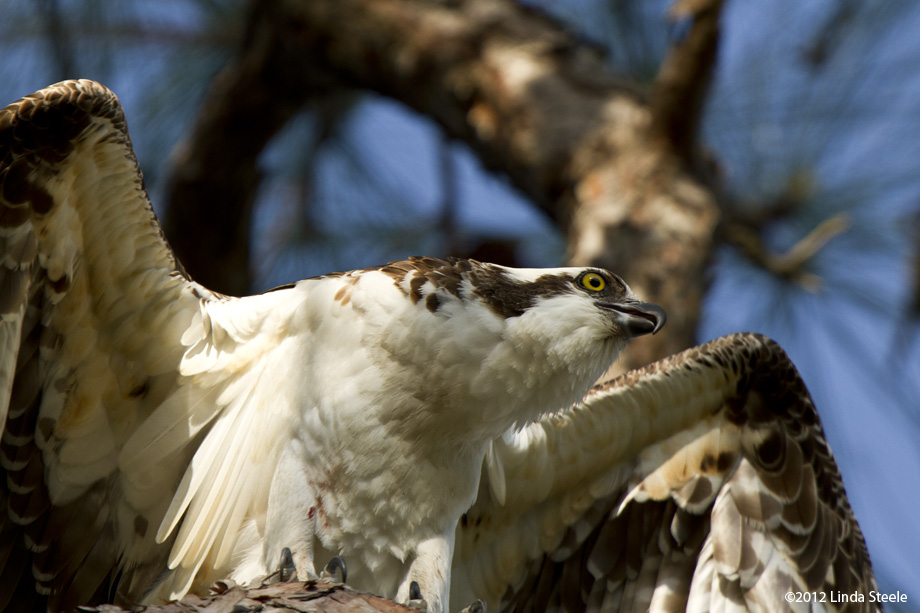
(698, 482)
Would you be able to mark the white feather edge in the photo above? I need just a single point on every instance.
(10, 332)
(240, 388)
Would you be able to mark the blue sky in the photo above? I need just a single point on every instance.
(851, 127)
(847, 130)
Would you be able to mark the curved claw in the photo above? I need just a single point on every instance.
(287, 568)
(335, 564)
(416, 602)
(479, 606)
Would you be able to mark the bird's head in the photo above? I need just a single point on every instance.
(568, 299)
(507, 344)
(627, 316)
(563, 327)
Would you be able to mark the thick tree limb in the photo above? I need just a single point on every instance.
(682, 84)
(214, 173)
(531, 100)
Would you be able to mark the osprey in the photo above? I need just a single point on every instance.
(414, 418)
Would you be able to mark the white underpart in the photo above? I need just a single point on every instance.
(359, 425)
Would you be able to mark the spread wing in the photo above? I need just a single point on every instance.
(701, 482)
(115, 370)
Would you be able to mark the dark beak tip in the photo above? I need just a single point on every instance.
(661, 317)
(643, 318)
(638, 318)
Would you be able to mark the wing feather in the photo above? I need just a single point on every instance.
(243, 357)
(702, 482)
(122, 382)
(90, 321)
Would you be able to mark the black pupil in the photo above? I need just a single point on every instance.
(594, 281)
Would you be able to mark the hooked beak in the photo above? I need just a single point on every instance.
(637, 317)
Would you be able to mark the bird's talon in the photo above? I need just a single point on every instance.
(330, 573)
(416, 601)
(287, 569)
(479, 606)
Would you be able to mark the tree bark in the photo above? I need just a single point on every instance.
(530, 99)
(214, 177)
(289, 597)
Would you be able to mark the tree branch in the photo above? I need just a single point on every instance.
(681, 87)
(214, 176)
(534, 103)
(289, 597)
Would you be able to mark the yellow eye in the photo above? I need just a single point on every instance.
(593, 281)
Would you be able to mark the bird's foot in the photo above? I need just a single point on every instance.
(479, 606)
(331, 573)
(287, 570)
(415, 598)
